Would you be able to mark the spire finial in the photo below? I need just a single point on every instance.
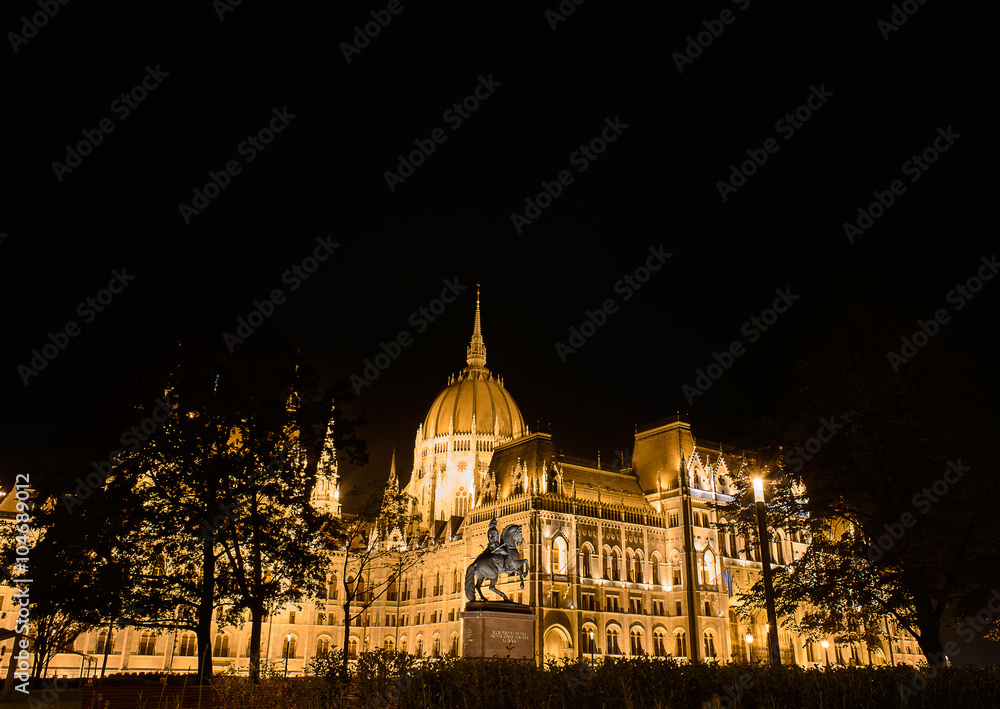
(475, 354)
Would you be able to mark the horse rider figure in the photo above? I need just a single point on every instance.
(493, 546)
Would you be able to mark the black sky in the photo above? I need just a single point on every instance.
(655, 185)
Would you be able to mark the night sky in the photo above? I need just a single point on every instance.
(868, 99)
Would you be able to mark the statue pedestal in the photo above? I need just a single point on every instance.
(496, 629)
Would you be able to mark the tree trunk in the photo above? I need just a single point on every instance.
(347, 631)
(256, 624)
(105, 649)
(205, 607)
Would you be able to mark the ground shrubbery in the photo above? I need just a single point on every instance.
(385, 679)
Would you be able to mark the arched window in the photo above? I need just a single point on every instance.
(437, 582)
(322, 647)
(639, 575)
(419, 650)
(779, 543)
(402, 644)
(706, 567)
(454, 645)
(629, 566)
(288, 646)
(589, 643)
(654, 561)
(352, 651)
(105, 645)
(615, 565)
(559, 552)
(680, 643)
(709, 644)
(635, 635)
(659, 643)
(586, 561)
(612, 646)
(733, 546)
(189, 644)
(436, 646)
(147, 643)
(456, 581)
(736, 639)
(334, 591)
(461, 502)
(221, 648)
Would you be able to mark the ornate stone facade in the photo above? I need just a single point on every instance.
(623, 562)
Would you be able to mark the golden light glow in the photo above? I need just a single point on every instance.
(749, 638)
(825, 644)
(758, 490)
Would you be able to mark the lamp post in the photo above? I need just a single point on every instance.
(288, 643)
(826, 649)
(749, 639)
(591, 646)
(765, 559)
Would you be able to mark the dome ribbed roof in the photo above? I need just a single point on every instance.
(474, 392)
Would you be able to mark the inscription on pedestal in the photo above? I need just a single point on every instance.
(489, 634)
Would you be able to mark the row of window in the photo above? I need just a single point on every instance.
(660, 646)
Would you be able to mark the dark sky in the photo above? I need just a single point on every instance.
(876, 102)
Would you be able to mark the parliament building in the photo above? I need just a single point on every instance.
(626, 560)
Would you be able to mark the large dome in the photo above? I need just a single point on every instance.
(474, 392)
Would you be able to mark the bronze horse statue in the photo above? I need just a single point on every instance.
(490, 564)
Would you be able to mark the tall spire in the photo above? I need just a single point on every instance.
(475, 353)
(393, 481)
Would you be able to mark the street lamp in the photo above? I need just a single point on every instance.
(765, 558)
(826, 649)
(749, 639)
(591, 646)
(288, 643)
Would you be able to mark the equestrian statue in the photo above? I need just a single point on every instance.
(500, 557)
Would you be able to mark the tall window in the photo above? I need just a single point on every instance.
(655, 563)
(461, 502)
(586, 562)
(680, 643)
(147, 643)
(639, 576)
(420, 646)
(589, 639)
(454, 645)
(221, 648)
(456, 581)
(352, 650)
(636, 642)
(436, 647)
(189, 644)
(558, 559)
(388, 644)
(323, 647)
(613, 648)
(709, 644)
(334, 591)
(659, 643)
(105, 645)
(288, 646)
(615, 565)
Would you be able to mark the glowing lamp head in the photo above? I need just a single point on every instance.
(758, 490)
(749, 638)
(825, 644)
